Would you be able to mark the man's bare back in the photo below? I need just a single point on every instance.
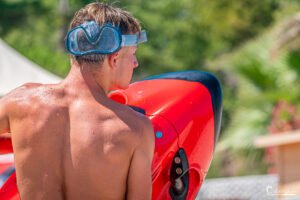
(69, 147)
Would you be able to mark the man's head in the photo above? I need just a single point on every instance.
(104, 39)
(103, 14)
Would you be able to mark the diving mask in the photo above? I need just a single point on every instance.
(91, 38)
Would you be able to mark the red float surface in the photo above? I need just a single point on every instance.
(5, 146)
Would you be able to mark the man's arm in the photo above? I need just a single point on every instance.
(139, 183)
(4, 123)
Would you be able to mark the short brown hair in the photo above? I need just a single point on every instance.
(103, 13)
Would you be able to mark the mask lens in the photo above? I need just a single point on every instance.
(93, 39)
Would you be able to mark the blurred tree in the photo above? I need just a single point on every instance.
(263, 78)
(15, 13)
(34, 32)
(185, 33)
(182, 34)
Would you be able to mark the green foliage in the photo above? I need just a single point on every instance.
(187, 32)
(231, 22)
(15, 13)
(262, 77)
(230, 163)
(182, 34)
(35, 34)
(293, 60)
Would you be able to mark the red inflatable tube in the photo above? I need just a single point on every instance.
(5, 146)
(185, 109)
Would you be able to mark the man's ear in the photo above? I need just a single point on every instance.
(112, 59)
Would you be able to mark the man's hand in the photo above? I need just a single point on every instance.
(139, 183)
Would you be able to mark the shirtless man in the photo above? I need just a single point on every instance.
(70, 140)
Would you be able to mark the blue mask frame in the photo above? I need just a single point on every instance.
(91, 38)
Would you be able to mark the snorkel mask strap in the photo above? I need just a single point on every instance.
(134, 39)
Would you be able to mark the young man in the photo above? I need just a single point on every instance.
(70, 140)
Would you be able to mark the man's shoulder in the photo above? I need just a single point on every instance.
(19, 93)
(26, 95)
(140, 125)
(126, 113)
(133, 119)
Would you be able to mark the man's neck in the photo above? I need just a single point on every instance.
(81, 81)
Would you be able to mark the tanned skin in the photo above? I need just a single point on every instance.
(72, 142)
